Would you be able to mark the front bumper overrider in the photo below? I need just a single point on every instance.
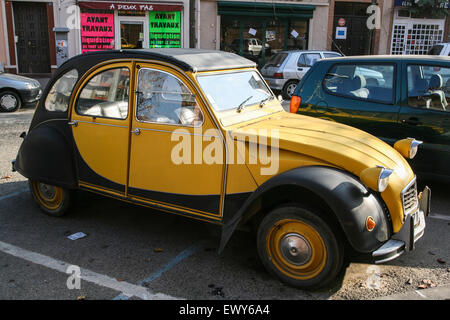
(412, 230)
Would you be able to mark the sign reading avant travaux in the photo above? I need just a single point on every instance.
(165, 29)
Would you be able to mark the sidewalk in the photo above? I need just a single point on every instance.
(437, 293)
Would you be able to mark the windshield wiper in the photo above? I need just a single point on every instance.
(263, 102)
(241, 106)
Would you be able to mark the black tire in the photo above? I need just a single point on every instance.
(53, 201)
(289, 89)
(9, 101)
(296, 245)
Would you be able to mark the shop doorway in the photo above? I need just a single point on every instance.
(132, 33)
(31, 29)
(352, 17)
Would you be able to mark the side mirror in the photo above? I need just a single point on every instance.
(280, 98)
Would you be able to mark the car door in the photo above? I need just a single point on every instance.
(170, 126)
(425, 114)
(361, 94)
(100, 127)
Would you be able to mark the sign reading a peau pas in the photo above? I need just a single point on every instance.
(165, 29)
(97, 31)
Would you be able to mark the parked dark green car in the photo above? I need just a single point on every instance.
(391, 97)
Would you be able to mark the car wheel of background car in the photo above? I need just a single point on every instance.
(289, 89)
(298, 247)
(53, 200)
(9, 101)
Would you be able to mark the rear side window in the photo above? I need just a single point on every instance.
(362, 81)
(59, 95)
(106, 95)
(308, 59)
(276, 60)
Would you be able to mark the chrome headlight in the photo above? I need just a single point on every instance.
(376, 178)
(407, 147)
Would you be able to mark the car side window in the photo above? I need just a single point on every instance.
(163, 98)
(372, 82)
(59, 95)
(308, 59)
(106, 95)
(429, 87)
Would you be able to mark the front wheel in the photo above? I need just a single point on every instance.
(53, 200)
(298, 247)
(9, 101)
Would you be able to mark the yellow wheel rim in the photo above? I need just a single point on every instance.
(49, 196)
(296, 249)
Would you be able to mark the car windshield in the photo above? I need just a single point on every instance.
(228, 91)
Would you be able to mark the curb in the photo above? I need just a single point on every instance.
(437, 293)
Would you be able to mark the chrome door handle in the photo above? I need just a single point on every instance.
(73, 123)
(136, 131)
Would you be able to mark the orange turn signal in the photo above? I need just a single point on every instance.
(370, 223)
(295, 104)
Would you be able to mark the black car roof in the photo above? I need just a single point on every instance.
(195, 60)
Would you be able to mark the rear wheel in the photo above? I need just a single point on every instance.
(9, 101)
(289, 89)
(53, 200)
(297, 246)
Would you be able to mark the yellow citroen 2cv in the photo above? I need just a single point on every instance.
(199, 133)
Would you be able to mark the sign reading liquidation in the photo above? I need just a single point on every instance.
(97, 31)
(165, 29)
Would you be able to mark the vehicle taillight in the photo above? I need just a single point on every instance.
(295, 104)
(278, 75)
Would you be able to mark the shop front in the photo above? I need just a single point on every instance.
(258, 30)
(106, 25)
(415, 30)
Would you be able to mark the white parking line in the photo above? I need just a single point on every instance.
(127, 289)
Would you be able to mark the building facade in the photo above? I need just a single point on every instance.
(37, 36)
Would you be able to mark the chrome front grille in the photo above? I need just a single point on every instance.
(409, 198)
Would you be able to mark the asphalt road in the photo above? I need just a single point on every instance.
(131, 252)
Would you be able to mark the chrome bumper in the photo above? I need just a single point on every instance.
(412, 230)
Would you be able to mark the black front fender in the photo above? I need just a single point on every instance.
(349, 200)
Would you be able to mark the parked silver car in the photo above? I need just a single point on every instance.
(286, 68)
(16, 91)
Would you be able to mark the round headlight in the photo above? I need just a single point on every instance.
(376, 178)
(407, 147)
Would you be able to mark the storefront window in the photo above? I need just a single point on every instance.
(246, 36)
(106, 26)
(165, 29)
(97, 31)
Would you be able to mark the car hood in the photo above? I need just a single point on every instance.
(339, 145)
(17, 78)
(336, 145)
